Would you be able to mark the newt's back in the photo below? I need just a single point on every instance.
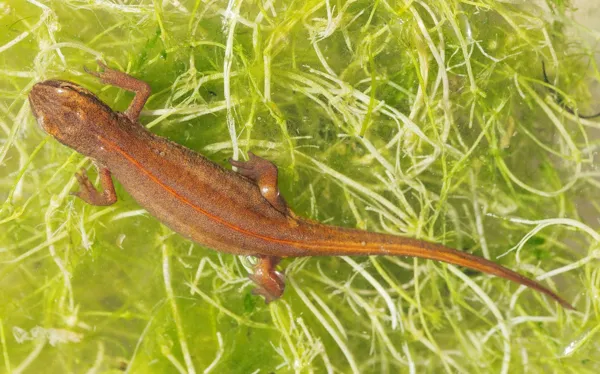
(189, 193)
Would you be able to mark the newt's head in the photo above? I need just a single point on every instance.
(67, 111)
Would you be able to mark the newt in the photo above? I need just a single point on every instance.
(241, 213)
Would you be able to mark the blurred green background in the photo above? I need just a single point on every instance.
(425, 119)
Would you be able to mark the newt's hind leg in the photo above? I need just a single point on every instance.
(270, 283)
(264, 174)
(126, 82)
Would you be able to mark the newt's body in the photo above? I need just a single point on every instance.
(239, 213)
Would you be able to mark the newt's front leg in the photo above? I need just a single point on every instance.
(126, 82)
(270, 283)
(88, 193)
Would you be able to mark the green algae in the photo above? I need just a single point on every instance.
(425, 119)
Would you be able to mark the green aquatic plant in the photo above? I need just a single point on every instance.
(425, 119)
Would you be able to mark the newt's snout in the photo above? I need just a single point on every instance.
(42, 91)
(36, 98)
(64, 109)
(47, 99)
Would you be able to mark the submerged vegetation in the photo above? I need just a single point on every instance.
(425, 119)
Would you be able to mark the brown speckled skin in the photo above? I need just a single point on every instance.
(206, 203)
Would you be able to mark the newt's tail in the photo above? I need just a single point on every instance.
(347, 242)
